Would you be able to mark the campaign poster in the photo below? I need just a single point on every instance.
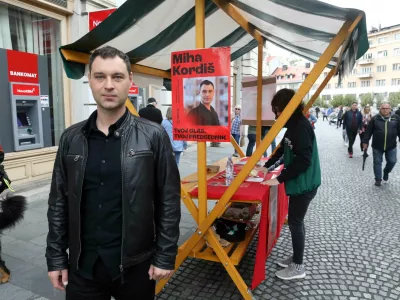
(201, 95)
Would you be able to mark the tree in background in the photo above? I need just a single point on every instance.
(337, 100)
(349, 99)
(320, 103)
(379, 99)
(394, 99)
(367, 99)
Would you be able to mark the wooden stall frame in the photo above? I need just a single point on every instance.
(199, 213)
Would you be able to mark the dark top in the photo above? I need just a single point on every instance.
(151, 113)
(101, 208)
(300, 136)
(352, 120)
(200, 115)
(384, 132)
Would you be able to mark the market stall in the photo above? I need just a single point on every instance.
(150, 31)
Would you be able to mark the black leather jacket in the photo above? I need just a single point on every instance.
(150, 196)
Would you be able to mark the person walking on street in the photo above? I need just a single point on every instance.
(301, 175)
(384, 130)
(339, 117)
(236, 127)
(151, 112)
(317, 109)
(367, 116)
(251, 135)
(114, 200)
(177, 146)
(325, 114)
(352, 121)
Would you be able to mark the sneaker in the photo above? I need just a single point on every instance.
(293, 271)
(284, 263)
(350, 155)
(385, 177)
(235, 155)
(378, 182)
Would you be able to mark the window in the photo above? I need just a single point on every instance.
(396, 67)
(396, 81)
(396, 52)
(381, 82)
(328, 86)
(338, 86)
(325, 74)
(381, 68)
(370, 42)
(397, 36)
(365, 83)
(382, 40)
(366, 70)
(383, 53)
(354, 72)
(351, 84)
(367, 56)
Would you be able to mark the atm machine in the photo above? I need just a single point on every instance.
(26, 116)
(135, 95)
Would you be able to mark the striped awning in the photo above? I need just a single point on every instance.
(149, 30)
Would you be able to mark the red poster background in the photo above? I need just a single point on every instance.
(201, 63)
(23, 63)
(25, 90)
(133, 90)
(96, 17)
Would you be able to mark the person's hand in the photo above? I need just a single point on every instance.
(271, 182)
(158, 274)
(365, 146)
(59, 279)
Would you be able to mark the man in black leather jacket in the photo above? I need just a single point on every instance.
(115, 196)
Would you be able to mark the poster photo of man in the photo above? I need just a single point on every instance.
(201, 82)
(206, 100)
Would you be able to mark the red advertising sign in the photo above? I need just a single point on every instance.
(201, 97)
(22, 67)
(96, 17)
(25, 90)
(134, 90)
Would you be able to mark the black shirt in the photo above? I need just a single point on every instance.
(101, 207)
(200, 115)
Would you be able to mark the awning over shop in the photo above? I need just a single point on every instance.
(149, 30)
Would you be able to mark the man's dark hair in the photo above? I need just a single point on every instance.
(282, 99)
(109, 52)
(354, 103)
(206, 82)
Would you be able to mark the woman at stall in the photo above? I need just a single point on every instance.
(301, 175)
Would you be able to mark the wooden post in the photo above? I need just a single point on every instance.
(201, 146)
(259, 91)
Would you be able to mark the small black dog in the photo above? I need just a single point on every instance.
(12, 208)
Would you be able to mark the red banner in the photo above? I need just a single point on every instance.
(25, 90)
(96, 17)
(133, 90)
(201, 94)
(22, 67)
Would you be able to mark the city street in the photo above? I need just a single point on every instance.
(352, 247)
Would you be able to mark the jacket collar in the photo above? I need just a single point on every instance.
(294, 119)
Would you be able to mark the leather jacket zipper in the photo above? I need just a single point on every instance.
(85, 147)
(121, 267)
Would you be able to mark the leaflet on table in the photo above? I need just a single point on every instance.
(201, 106)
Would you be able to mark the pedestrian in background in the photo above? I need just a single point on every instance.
(151, 112)
(366, 118)
(236, 126)
(340, 117)
(301, 175)
(251, 135)
(352, 121)
(177, 146)
(384, 129)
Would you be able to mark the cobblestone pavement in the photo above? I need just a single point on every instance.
(352, 247)
(352, 240)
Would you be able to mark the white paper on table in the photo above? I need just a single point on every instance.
(254, 179)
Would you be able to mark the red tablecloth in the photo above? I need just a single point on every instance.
(273, 213)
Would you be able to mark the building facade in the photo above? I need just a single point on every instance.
(377, 72)
(34, 30)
